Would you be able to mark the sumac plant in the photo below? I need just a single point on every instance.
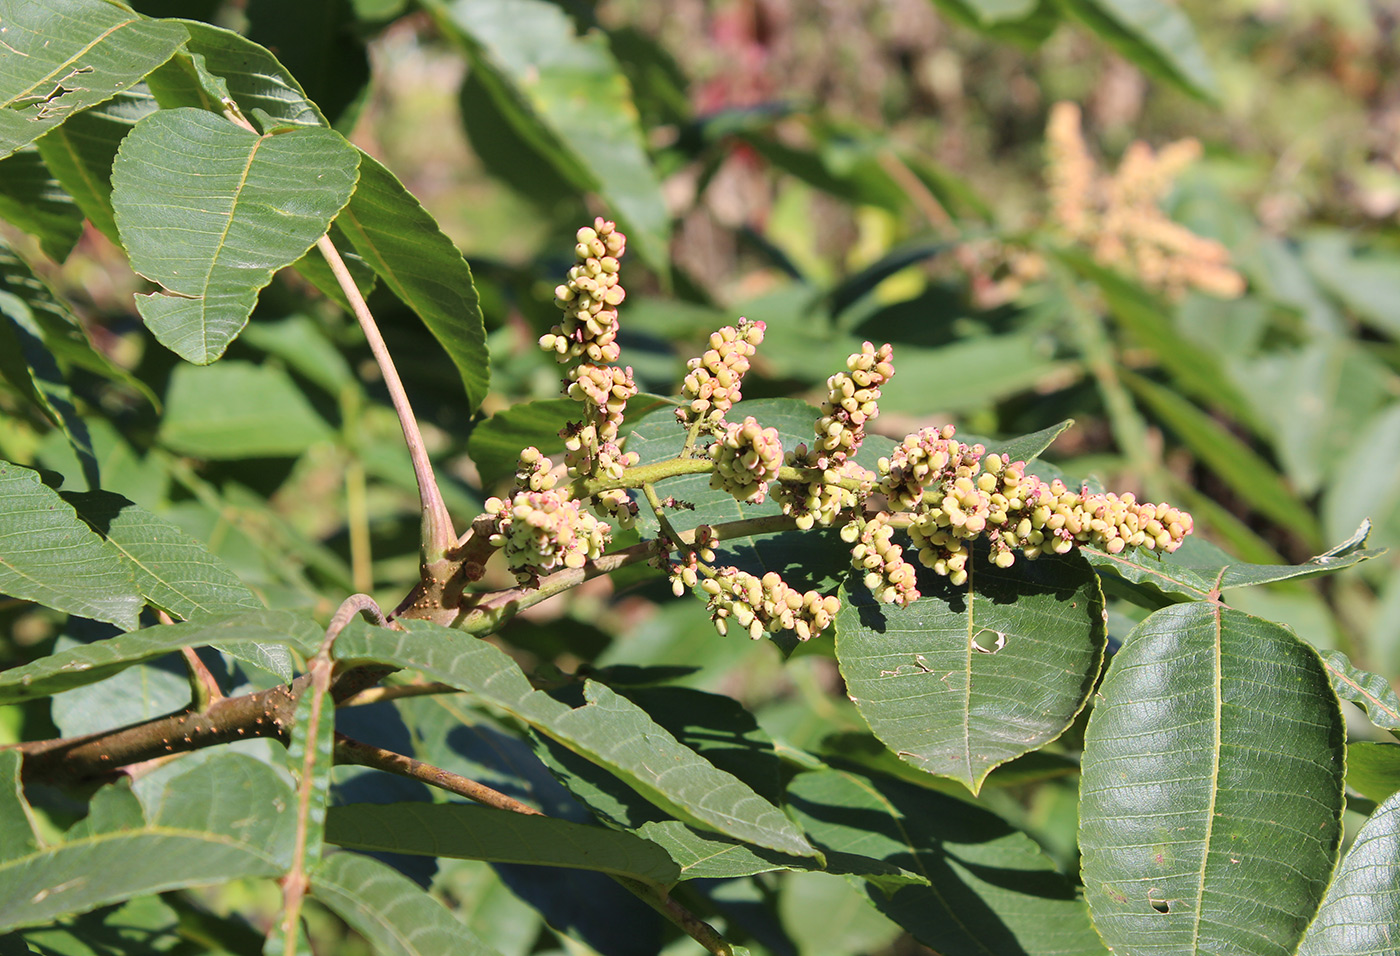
(456, 768)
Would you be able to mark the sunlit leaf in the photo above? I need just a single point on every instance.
(1211, 796)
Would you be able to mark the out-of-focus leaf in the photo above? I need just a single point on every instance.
(991, 888)
(608, 730)
(397, 237)
(67, 57)
(1367, 284)
(80, 153)
(855, 287)
(221, 821)
(1153, 35)
(238, 410)
(1371, 692)
(824, 914)
(300, 342)
(566, 96)
(1369, 484)
(1015, 21)
(390, 910)
(47, 555)
(31, 199)
(1373, 769)
(173, 571)
(1362, 906)
(211, 210)
(1194, 836)
(842, 163)
(480, 833)
(1198, 567)
(93, 662)
(1252, 478)
(968, 374)
(967, 678)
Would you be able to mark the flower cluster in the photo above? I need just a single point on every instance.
(747, 456)
(590, 298)
(821, 498)
(712, 383)
(540, 528)
(957, 493)
(1119, 218)
(888, 576)
(766, 604)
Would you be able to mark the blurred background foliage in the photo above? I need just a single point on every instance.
(868, 169)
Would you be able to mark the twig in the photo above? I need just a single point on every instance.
(375, 695)
(919, 194)
(351, 751)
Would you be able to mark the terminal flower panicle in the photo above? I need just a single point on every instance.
(712, 385)
(589, 298)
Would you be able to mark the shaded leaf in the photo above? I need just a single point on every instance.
(402, 243)
(390, 910)
(138, 927)
(90, 663)
(32, 200)
(565, 94)
(1211, 789)
(608, 730)
(471, 832)
(238, 410)
(1371, 692)
(1373, 769)
(1362, 907)
(17, 834)
(220, 821)
(495, 444)
(70, 56)
(1153, 35)
(1366, 283)
(967, 678)
(210, 211)
(991, 889)
(47, 555)
(319, 44)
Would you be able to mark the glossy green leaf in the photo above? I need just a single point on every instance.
(1251, 477)
(80, 153)
(472, 832)
(210, 211)
(31, 199)
(608, 730)
(47, 555)
(1198, 567)
(1373, 769)
(389, 910)
(1361, 911)
(398, 238)
(220, 821)
(90, 663)
(566, 95)
(238, 410)
(1211, 789)
(967, 678)
(1151, 34)
(1371, 692)
(67, 57)
(991, 889)
(173, 571)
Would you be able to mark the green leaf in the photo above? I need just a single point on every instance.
(221, 821)
(1211, 790)
(1366, 283)
(320, 44)
(566, 95)
(1373, 769)
(1198, 567)
(17, 834)
(90, 663)
(47, 555)
(495, 444)
(173, 571)
(1369, 482)
(238, 410)
(967, 678)
(968, 374)
(390, 910)
(470, 832)
(1362, 906)
(398, 238)
(310, 755)
(608, 730)
(1153, 35)
(1371, 692)
(1251, 477)
(302, 343)
(70, 56)
(32, 200)
(991, 889)
(1028, 447)
(995, 19)
(211, 210)
(80, 153)
(137, 927)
